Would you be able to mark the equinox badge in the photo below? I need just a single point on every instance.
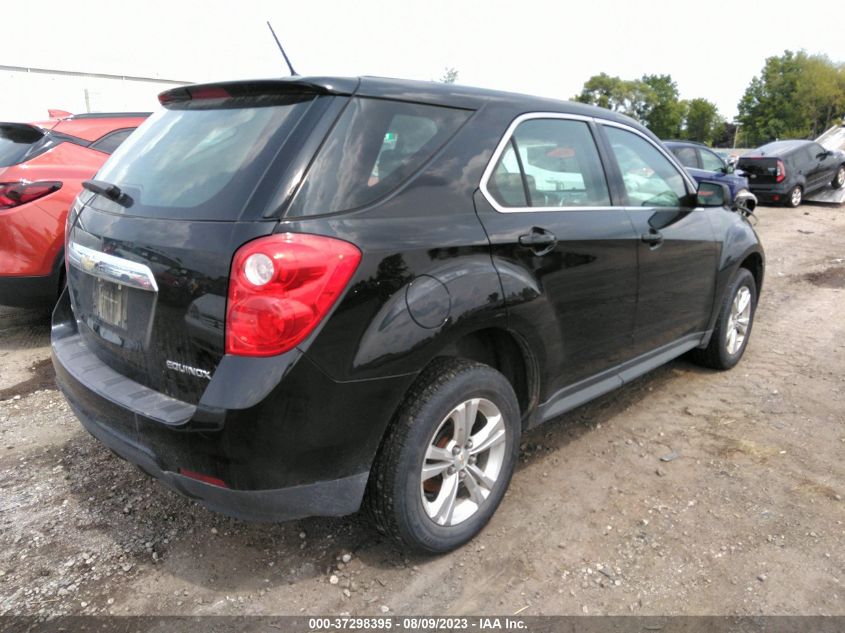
(187, 369)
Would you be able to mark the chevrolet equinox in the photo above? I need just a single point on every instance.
(294, 297)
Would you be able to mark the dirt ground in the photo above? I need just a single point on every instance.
(748, 519)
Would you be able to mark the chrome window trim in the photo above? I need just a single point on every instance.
(111, 268)
(505, 140)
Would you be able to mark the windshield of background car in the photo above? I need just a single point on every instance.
(375, 147)
(18, 142)
(202, 161)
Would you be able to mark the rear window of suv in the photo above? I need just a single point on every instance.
(18, 142)
(375, 147)
(201, 161)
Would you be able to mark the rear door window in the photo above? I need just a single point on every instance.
(686, 156)
(559, 166)
(651, 180)
(111, 141)
(375, 147)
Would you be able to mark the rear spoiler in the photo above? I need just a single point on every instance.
(257, 88)
(21, 132)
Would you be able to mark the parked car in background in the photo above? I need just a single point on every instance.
(703, 163)
(285, 297)
(42, 166)
(784, 172)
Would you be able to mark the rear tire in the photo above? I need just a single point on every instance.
(733, 327)
(839, 178)
(436, 453)
(795, 197)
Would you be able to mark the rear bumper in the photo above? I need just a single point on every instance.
(107, 422)
(771, 194)
(304, 449)
(326, 498)
(29, 292)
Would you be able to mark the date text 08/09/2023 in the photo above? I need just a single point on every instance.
(417, 623)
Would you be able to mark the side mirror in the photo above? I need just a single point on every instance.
(745, 202)
(712, 194)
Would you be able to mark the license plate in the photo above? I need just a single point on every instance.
(110, 303)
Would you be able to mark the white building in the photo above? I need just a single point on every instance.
(29, 92)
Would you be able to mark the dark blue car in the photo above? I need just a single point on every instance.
(702, 163)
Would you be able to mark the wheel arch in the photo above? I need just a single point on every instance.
(754, 263)
(505, 351)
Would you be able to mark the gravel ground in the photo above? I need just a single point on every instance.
(748, 519)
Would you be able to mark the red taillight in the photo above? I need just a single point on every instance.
(206, 479)
(14, 194)
(187, 93)
(209, 92)
(781, 172)
(281, 287)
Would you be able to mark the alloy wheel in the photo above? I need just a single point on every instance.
(795, 197)
(738, 321)
(463, 461)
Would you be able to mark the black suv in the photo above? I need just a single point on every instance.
(785, 172)
(286, 296)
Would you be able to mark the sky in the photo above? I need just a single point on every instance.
(711, 49)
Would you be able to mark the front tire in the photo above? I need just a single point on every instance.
(733, 327)
(839, 178)
(448, 457)
(795, 197)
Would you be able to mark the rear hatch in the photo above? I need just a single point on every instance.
(760, 170)
(149, 268)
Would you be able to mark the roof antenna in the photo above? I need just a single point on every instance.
(293, 73)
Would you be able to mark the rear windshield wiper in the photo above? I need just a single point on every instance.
(108, 190)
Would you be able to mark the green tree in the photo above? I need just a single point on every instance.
(652, 100)
(449, 76)
(612, 93)
(796, 95)
(660, 108)
(703, 122)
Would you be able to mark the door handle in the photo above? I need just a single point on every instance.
(538, 240)
(654, 238)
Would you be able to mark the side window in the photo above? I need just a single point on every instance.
(651, 180)
(376, 146)
(710, 161)
(558, 165)
(111, 141)
(686, 156)
(806, 157)
(506, 184)
(815, 150)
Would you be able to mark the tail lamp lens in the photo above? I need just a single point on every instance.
(781, 174)
(281, 287)
(14, 194)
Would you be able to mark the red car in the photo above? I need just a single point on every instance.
(42, 166)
